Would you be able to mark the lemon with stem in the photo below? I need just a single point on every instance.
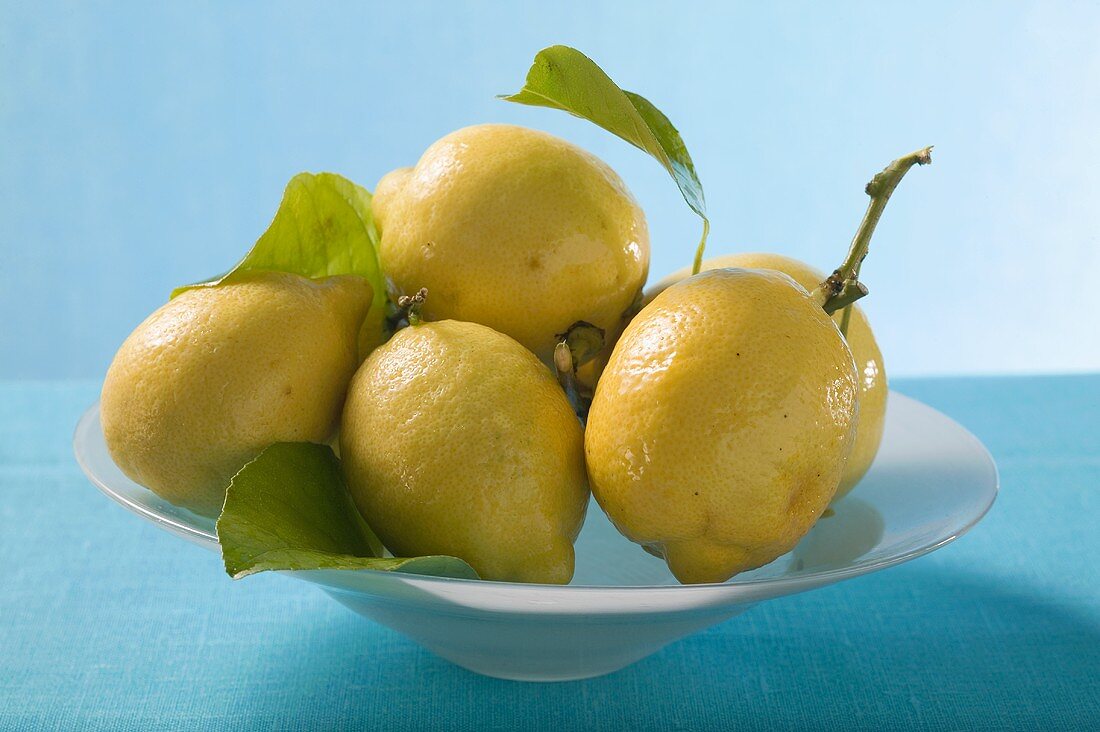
(721, 426)
(873, 388)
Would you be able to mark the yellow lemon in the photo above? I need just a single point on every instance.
(873, 388)
(219, 373)
(456, 440)
(720, 427)
(515, 229)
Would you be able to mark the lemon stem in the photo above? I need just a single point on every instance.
(842, 287)
(584, 340)
(411, 305)
(579, 344)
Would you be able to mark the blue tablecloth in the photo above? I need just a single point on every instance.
(107, 622)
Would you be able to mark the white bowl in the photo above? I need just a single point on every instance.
(931, 482)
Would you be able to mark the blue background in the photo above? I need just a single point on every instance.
(146, 145)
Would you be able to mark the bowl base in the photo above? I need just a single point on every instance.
(533, 647)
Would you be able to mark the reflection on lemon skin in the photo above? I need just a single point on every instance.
(873, 388)
(720, 427)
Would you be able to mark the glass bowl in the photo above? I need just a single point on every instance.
(931, 482)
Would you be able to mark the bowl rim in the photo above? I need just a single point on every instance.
(807, 580)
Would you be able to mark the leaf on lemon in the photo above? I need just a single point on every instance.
(564, 78)
(324, 227)
(289, 509)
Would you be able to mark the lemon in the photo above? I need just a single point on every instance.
(456, 440)
(720, 427)
(873, 388)
(515, 229)
(219, 373)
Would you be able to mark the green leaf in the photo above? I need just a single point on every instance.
(290, 509)
(564, 78)
(323, 227)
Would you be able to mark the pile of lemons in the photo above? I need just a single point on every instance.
(727, 409)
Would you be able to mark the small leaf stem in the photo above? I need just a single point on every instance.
(845, 319)
(842, 287)
(698, 263)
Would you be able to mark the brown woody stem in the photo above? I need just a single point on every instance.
(842, 287)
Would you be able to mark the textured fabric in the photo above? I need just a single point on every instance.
(109, 623)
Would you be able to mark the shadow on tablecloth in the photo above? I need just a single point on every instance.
(914, 647)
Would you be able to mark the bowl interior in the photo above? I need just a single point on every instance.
(932, 480)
